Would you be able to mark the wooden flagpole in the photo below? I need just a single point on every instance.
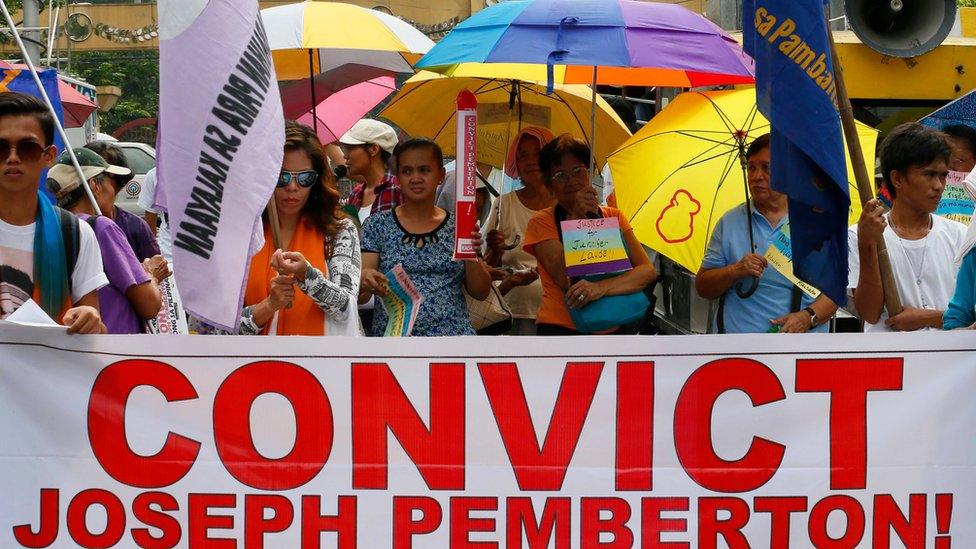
(865, 189)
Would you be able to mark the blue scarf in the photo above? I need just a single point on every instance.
(50, 263)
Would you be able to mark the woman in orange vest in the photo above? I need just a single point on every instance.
(322, 258)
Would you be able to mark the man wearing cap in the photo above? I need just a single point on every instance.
(367, 148)
(136, 229)
(132, 294)
(46, 255)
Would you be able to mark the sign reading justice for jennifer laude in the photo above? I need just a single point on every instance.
(666, 442)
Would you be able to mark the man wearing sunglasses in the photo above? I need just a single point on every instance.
(45, 253)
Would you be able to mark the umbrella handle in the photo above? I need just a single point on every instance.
(746, 294)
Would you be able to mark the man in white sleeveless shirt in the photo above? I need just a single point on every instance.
(921, 246)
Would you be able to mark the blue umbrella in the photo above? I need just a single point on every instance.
(960, 111)
(630, 42)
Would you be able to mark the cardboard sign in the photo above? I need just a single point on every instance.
(956, 203)
(594, 246)
(466, 173)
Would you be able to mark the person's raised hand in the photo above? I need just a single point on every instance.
(495, 240)
(871, 226)
(583, 293)
(523, 277)
(157, 267)
(83, 319)
(910, 319)
(477, 241)
(290, 263)
(282, 292)
(587, 202)
(751, 265)
(373, 281)
(793, 323)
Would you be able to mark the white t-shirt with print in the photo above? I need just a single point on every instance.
(925, 271)
(17, 266)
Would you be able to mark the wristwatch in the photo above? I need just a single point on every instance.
(814, 321)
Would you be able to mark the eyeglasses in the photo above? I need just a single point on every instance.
(577, 173)
(27, 150)
(304, 178)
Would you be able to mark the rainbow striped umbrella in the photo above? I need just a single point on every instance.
(620, 42)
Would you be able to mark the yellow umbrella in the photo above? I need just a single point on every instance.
(314, 37)
(680, 173)
(425, 106)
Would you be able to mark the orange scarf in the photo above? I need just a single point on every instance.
(304, 317)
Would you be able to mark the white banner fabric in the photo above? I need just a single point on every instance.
(673, 442)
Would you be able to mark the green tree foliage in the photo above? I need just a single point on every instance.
(966, 3)
(136, 72)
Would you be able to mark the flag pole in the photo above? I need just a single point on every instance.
(864, 188)
(50, 106)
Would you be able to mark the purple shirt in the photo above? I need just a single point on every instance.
(137, 233)
(123, 270)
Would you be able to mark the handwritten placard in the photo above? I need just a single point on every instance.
(402, 303)
(780, 256)
(956, 204)
(593, 246)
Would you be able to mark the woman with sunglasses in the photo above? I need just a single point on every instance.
(320, 256)
(564, 162)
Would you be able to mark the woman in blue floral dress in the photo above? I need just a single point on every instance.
(420, 236)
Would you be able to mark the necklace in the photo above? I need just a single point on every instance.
(925, 250)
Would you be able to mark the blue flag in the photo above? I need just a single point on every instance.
(20, 80)
(796, 92)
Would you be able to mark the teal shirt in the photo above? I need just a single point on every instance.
(960, 313)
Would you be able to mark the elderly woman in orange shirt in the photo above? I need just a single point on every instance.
(564, 163)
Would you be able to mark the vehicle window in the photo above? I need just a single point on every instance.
(139, 160)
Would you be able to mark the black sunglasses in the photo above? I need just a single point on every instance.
(304, 178)
(27, 150)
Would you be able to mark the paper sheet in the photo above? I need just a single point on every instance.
(402, 303)
(31, 314)
(780, 257)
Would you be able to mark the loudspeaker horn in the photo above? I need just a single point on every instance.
(901, 28)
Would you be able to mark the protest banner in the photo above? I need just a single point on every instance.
(221, 142)
(465, 175)
(695, 441)
(593, 246)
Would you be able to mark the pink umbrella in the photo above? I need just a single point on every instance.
(340, 110)
(76, 107)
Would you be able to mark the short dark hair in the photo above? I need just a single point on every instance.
(553, 152)
(415, 143)
(112, 153)
(20, 104)
(909, 145)
(963, 132)
(757, 145)
(72, 197)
